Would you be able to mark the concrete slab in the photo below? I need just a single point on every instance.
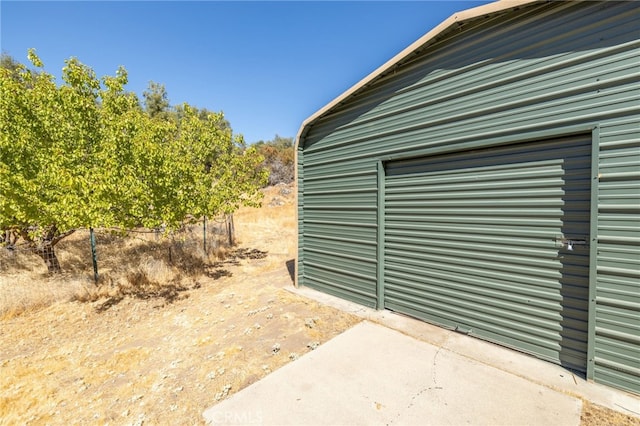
(371, 374)
(526, 366)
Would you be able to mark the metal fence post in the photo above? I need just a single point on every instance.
(204, 234)
(94, 255)
(230, 229)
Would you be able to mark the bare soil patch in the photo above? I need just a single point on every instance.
(595, 415)
(153, 361)
(162, 353)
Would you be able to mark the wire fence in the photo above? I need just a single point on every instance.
(99, 252)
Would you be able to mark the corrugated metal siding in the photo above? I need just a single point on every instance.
(617, 334)
(565, 69)
(545, 66)
(340, 230)
(472, 242)
(299, 267)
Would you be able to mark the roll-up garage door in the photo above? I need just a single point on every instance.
(494, 243)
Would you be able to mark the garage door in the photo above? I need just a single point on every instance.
(494, 243)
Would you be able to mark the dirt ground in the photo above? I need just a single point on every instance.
(164, 360)
(594, 415)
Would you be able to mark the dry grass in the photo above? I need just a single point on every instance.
(134, 265)
(23, 292)
(128, 357)
(595, 415)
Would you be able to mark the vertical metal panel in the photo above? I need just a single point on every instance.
(340, 222)
(474, 241)
(381, 227)
(617, 314)
(593, 251)
(299, 267)
(544, 66)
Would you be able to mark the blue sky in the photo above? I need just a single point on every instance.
(267, 65)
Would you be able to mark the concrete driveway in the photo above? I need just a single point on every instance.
(393, 370)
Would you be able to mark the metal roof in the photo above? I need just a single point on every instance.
(453, 22)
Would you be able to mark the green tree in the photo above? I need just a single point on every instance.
(8, 62)
(179, 113)
(85, 154)
(156, 100)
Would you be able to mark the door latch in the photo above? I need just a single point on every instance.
(570, 243)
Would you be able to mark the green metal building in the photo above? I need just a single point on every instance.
(487, 179)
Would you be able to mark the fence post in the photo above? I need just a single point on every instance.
(204, 234)
(230, 229)
(94, 255)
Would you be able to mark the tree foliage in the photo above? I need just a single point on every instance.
(9, 63)
(86, 154)
(156, 100)
(279, 159)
